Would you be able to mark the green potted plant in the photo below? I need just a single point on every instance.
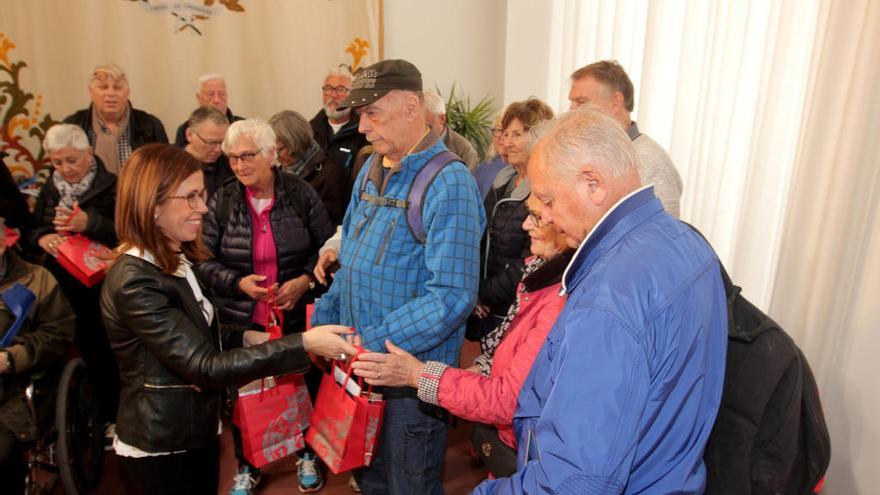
(473, 121)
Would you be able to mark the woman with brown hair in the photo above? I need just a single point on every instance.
(165, 334)
(505, 245)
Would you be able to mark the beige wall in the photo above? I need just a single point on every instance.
(451, 41)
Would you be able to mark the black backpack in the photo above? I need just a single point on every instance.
(770, 435)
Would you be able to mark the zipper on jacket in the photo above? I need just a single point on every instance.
(381, 254)
(357, 232)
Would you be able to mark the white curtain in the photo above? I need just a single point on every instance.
(770, 111)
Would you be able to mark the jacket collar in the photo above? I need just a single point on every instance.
(507, 174)
(633, 131)
(550, 273)
(627, 213)
(425, 149)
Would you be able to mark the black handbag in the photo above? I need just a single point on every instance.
(499, 457)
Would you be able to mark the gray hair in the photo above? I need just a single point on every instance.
(258, 130)
(112, 70)
(202, 114)
(62, 136)
(340, 71)
(586, 135)
(211, 76)
(293, 130)
(434, 102)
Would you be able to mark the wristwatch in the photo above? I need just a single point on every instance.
(312, 284)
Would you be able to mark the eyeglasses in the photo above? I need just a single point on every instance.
(209, 143)
(337, 90)
(194, 198)
(246, 157)
(534, 217)
(497, 132)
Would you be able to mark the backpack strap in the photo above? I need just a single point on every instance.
(416, 197)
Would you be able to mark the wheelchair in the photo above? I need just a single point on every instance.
(72, 447)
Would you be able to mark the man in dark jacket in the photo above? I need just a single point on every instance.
(37, 351)
(336, 131)
(204, 135)
(113, 126)
(212, 93)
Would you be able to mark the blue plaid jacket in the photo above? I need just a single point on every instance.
(391, 286)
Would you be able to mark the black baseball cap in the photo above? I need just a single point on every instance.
(375, 81)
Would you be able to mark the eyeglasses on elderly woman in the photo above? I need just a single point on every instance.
(246, 157)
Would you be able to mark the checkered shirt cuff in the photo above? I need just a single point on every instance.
(429, 382)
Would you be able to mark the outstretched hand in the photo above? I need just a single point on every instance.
(397, 368)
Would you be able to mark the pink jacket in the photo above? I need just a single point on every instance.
(492, 399)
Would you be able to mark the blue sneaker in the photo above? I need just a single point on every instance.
(309, 473)
(245, 481)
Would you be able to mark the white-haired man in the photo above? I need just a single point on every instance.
(336, 129)
(624, 393)
(211, 93)
(435, 115)
(113, 126)
(607, 86)
(413, 285)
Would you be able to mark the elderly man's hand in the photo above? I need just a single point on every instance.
(398, 368)
(325, 261)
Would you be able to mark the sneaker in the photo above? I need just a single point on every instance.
(244, 482)
(353, 485)
(109, 435)
(310, 477)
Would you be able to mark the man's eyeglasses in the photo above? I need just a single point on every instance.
(209, 143)
(534, 217)
(246, 157)
(194, 198)
(337, 90)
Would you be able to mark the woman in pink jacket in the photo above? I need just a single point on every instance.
(487, 391)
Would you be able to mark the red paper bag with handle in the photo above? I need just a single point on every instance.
(84, 258)
(272, 412)
(346, 422)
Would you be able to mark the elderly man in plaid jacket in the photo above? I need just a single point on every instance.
(415, 291)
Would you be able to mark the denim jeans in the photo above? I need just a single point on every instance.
(409, 457)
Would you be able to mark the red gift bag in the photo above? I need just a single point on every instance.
(345, 423)
(273, 412)
(12, 236)
(84, 258)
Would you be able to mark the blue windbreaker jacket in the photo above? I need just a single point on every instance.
(624, 393)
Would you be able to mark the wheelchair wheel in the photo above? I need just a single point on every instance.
(80, 445)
